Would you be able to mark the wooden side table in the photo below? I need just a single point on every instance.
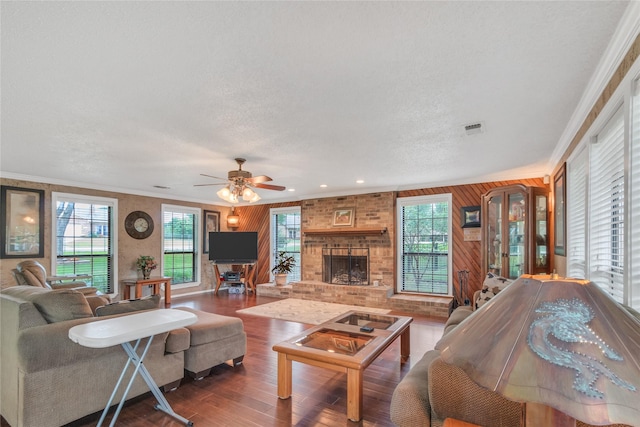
(152, 281)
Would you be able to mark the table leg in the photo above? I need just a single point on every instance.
(284, 376)
(117, 387)
(138, 290)
(139, 367)
(354, 394)
(405, 345)
(167, 293)
(250, 277)
(127, 291)
(216, 271)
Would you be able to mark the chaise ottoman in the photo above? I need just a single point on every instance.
(215, 339)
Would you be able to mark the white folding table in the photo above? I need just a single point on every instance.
(124, 330)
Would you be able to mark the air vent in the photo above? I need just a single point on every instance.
(162, 187)
(474, 128)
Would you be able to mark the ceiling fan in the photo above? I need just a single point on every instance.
(239, 184)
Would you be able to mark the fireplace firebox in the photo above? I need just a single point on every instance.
(345, 266)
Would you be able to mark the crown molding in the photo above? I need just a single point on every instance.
(620, 43)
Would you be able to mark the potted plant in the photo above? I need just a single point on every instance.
(284, 265)
(146, 263)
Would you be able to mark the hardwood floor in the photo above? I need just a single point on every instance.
(246, 395)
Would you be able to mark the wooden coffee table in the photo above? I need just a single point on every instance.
(340, 345)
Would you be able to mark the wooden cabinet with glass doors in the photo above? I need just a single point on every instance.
(515, 231)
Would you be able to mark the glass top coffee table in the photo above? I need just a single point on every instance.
(347, 343)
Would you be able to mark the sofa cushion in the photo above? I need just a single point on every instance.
(212, 327)
(178, 340)
(61, 305)
(458, 315)
(490, 288)
(129, 306)
(96, 301)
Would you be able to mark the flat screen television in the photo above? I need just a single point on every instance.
(233, 247)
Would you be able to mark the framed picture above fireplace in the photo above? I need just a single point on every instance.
(343, 217)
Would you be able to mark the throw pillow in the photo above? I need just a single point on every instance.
(63, 304)
(490, 288)
(129, 306)
(96, 301)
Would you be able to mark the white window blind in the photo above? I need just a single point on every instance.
(84, 239)
(633, 280)
(425, 259)
(180, 231)
(285, 237)
(577, 216)
(606, 208)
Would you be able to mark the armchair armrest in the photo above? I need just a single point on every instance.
(72, 282)
(68, 285)
(55, 279)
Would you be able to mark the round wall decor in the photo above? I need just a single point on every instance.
(138, 225)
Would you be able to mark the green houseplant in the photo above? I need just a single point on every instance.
(283, 266)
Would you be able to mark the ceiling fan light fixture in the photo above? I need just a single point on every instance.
(240, 185)
(228, 195)
(255, 197)
(224, 193)
(247, 194)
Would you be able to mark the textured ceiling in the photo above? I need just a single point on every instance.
(128, 95)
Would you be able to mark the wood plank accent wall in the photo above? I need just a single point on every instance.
(466, 255)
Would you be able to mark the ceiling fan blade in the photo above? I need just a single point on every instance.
(214, 177)
(207, 185)
(258, 179)
(270, 187)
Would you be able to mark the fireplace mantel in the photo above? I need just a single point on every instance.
(344, 231)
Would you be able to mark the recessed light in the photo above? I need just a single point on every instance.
(323, 185)
(360, 181)
(291, 189)
(162, 187)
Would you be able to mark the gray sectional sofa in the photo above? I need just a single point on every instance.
(48, 380)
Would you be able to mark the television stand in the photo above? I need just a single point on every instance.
(248, 272)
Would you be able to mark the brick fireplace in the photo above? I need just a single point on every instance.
(372, 231)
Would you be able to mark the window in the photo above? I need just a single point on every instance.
(180, 231)
(285, 236)
(85, 240)
(603, 194)
(633, 278)
(607, 208)
(424, 261)
(576, 211)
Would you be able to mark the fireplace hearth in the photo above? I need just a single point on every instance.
(345, 266)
